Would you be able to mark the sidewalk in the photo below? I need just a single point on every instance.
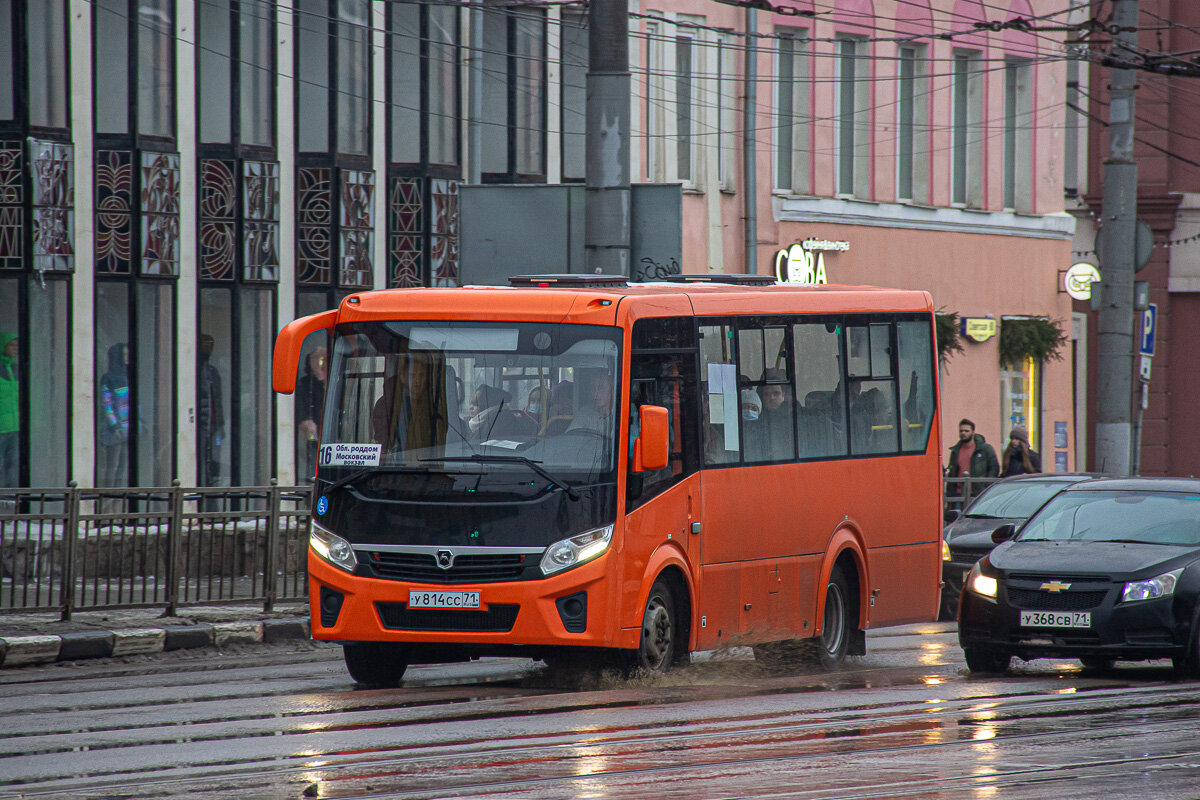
(41, 638)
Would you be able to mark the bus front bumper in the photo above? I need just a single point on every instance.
(568, 609)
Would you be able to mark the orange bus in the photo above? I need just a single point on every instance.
(577, 467)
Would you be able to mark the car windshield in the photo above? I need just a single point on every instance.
(1153, 517)
(1014, 500)
(468, 397)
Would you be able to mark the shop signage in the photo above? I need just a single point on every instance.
(1079, 279)
(804, 263)
(979, 329)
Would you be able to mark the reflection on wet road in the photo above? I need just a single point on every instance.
(904, 721)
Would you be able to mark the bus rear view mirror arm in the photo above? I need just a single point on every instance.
(287, 348)
(650, 449)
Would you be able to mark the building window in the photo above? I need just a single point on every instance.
(792, 122)
(574, 95)
(236, 73)
(966, 140)
(727, 125)
(685, 109)
(46, 26)
(655, 102)
(514, 96)
(912, 122)
(1018, 134)
(155, 75)
(424, 95)
(853, 114)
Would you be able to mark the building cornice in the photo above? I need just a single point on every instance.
(1059, 225)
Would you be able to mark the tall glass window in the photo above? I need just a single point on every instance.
(47, 42)
(404, 107)
(256, 400)
(50, 352)
(116, 420)
(111, 65)
(216, 72)
(153, 356)
(214, 381)
(8, 72)
(853, 135)
(442, 86)
(514, 95)
(256, 84)
(792, 113)
(156, 68)
(353, 76)
(912, 120)
(10, 384)
(684, 108)
(1018, 134)
(574, 95)
(312, 67)
(966, 141)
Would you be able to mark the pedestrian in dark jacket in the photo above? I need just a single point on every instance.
(1019, 457)
(970, 457)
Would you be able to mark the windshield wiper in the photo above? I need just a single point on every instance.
(362, 473)
(480, 458)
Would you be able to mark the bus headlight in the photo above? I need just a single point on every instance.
(332, 548)
(576, 550)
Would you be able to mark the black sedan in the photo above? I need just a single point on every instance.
(968, 537)
(1107, 570)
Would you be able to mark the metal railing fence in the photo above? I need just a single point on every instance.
(72, 549)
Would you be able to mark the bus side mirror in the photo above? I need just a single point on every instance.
(650, 449)
(1003, 533)
(287, 348)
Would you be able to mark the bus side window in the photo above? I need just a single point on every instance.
(720, 395)
(820, 429)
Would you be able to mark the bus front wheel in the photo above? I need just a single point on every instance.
(375, 664)
(656, 650)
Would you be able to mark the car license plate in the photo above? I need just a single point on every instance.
(423, 599)
(1056, 619)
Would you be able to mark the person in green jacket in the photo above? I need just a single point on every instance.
(10, 420)
(970, 457)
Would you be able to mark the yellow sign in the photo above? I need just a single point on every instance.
(980, 329)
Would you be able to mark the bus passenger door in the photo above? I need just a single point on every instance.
(662, 505)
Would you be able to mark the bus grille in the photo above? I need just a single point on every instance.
(496, 618)
(468, 568)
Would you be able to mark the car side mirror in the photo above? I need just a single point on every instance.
(951, 515)
(650, 449)
(1003, 533)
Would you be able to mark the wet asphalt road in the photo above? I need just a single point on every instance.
(907, 720)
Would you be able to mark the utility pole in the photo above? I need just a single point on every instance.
(607, 195)
(749, 151)
(1114, 440)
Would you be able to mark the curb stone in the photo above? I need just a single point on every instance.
(34, 649)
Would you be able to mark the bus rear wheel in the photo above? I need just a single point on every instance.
(830, 647)
(659, 642)
(375, 664)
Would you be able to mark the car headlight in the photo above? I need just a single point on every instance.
(332, 548)
(983, 585)
(1158, 586)
(576, 550)
(945, 550)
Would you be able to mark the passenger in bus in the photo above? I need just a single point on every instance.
(486, 403)
(754, 432)
(411, 412)
(596, 412)
(536, 405)
(778, 413)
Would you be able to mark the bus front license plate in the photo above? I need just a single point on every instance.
(423, 599)
(1056, 619)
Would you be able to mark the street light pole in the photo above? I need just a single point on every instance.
(1114, 445)
(607, 195)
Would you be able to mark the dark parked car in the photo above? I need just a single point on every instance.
(1107, 570)
(968, 537)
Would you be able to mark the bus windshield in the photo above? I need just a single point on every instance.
(513, 408)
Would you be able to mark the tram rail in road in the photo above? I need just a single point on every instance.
(905, 721)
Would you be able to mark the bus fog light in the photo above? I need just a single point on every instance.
(576, 550)
(332, 548)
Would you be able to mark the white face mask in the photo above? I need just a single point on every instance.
(749, 414)
(535, 408)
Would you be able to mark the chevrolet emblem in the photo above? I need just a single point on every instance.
(1055, 586)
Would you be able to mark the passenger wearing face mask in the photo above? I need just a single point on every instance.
(754, 433)
(536, 405)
